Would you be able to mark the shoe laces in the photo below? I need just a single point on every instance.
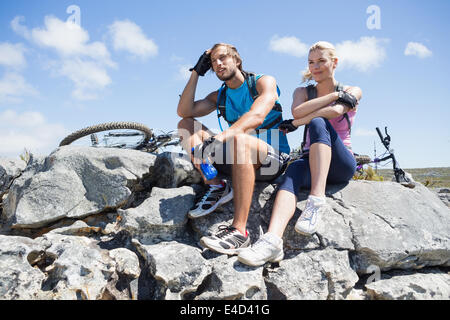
(208, 193)
(224, 231)
(310, 210)
(261, 242)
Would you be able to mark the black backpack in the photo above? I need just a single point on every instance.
(312, 94)
(250, 79)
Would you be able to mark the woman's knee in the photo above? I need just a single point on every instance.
(317, 123)
(319, 131)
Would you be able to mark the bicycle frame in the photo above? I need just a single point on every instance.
(398, 172)
(386, 141)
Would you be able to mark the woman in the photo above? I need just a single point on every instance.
(327, 153)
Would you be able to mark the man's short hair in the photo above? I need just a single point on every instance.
(232, 51)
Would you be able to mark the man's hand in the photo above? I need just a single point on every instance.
(347, 99)
(203, 64)
(206, 149)
(287, 126)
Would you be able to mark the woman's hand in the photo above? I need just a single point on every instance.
(347, 98)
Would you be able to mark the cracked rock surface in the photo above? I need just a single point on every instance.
(92, 223)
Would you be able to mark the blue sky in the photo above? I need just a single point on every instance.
(127, 61)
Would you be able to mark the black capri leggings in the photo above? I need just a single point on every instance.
(342, 166)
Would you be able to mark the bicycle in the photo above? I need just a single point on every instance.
(400, 175)
(123, 135)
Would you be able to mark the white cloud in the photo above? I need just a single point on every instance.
(183, 72)
(128, 36)
(12, 55)
(13, 86)
(19, 28)
(82, 62)
(28, 130)
(289, 45)
(360, 132)
(87, 76)
(417, 49)
(69, 39)
(363, 55)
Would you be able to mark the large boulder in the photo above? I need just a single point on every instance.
(433, 284)
(162, 216)
(19, 280)
(62, 268)
(9, 170)
(74, 182)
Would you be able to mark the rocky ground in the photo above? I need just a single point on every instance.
(86, 223)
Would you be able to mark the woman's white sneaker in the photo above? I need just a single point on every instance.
(310, 217)
(268, 248)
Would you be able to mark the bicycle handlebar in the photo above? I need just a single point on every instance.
(386, 141)
(379, 133)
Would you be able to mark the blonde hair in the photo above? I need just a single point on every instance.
(231, 50)
(324, 46)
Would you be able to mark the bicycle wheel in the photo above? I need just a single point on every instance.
(129, 135)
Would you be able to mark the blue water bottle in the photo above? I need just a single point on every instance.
(208, 170)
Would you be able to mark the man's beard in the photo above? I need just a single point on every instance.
(229, 77)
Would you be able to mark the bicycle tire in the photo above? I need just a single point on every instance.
(148, 133)
(362, 159)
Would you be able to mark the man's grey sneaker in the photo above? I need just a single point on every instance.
(310, 217)
(268, 248)
(213, 198)
(228, 240)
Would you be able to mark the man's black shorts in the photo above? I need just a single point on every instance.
(272, 166)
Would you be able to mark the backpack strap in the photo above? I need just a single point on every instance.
(250, 79)
(221, 101)
(312, 94)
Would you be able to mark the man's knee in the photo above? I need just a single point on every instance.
(249, 148)
(186, 129)
(186, 123)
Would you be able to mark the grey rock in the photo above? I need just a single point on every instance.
(61, 267)
(432, 285)
(394, 227)
(74, 182)
(162, 216)
(80, 269)
(19, 278)
(315, 275)
(231, 280)
(173, 170)
(9, 170)
(178, 269)
(127, 263)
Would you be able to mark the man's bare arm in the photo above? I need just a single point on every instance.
(187, 107)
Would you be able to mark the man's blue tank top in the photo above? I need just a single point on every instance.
(238, 102)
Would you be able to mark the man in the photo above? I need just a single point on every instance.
(238, 151)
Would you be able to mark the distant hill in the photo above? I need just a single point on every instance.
(430, 177)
